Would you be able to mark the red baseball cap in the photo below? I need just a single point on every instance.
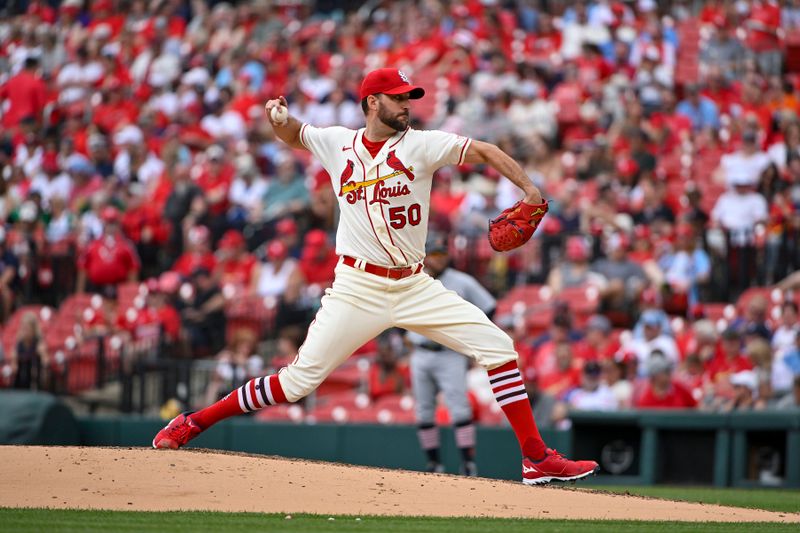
(109, 214)
(551, 225)
(627, 167)
(277, 250)
(316, 238)
(576, 249)
(389, 81)
(231, 239)
(286, 226)
(101, 5)
(169, 282)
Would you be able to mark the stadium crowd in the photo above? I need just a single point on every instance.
(137, 165)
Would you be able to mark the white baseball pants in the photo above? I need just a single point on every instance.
(359, 306)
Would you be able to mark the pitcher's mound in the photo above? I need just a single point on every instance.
(162, 480)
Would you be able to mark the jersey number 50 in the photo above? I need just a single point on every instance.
(398, 216)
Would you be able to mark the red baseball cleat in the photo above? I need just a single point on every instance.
(178, 432)
(555, 467)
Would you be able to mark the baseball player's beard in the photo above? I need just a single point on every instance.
(396, 122)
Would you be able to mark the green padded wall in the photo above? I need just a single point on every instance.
(36, 418)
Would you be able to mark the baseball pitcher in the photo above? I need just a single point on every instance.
(382, 176)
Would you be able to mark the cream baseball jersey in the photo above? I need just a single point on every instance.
(384, 201)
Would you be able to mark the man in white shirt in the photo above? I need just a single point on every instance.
(739, 212)
(581, 31)
(76, 77)
(745, 165)
(51, 182)
(593, 394)
(247, 190)
(654, 339)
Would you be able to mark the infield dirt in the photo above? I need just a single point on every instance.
(162, 480)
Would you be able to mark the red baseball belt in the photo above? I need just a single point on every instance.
(392, 273)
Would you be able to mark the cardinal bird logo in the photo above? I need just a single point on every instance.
(347, 173)
(395, 164)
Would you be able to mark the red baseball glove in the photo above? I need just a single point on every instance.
(515, 226)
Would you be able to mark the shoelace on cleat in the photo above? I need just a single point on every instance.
(555, 453)
(180, 431)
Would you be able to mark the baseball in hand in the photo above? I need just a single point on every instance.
(279, 115)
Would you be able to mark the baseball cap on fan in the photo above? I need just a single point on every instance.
(315, 239)
(232, 239)
(109, 214)
(389, 81)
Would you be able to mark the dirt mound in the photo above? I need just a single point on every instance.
(160, 480)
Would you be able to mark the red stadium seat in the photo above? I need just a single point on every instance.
(538, 319)
(396, 402)
(583, 301)
(492, 415)
(518, 299)
(128, 291)
(281, 413)
(717, 310)
(249, 312)
(772, 295)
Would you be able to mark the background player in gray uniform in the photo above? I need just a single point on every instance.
(435, 368)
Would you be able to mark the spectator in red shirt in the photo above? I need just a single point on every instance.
(115, 110)
(700, 340)
(762, 37)
(592, 67)
(215, 180)
(108, 260)
(642, 247)
(515, 329)
(691, 374)
(712, 12)
(599, 344)
(286, 232)
(158, 301)
(100, 318)
(318, 259)
(197, 254)
(138, 323)
(25, 94)
(314, 273)
(147, 229)
(663, 392)
(719, 89)
(103, 15)
(388, 375)
(564, 376)
(728, 361)
(236, 265)
(544, 360)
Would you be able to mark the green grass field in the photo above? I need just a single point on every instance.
(36, 520)
(770, 500)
